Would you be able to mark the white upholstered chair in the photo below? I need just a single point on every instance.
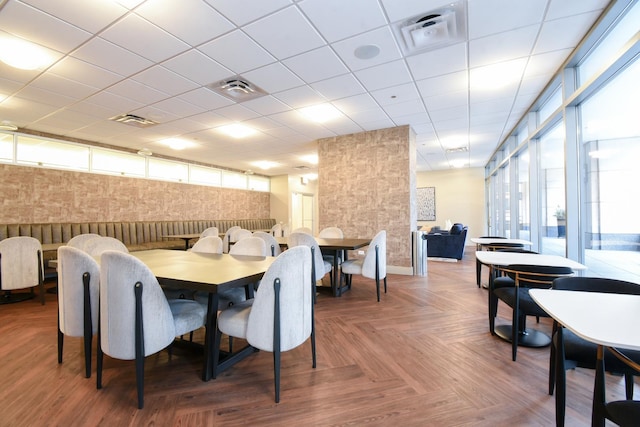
(78, 288)
(331, 233)
(21, 267)
(81, 240)
(281, 316)
(211, 231)
(238, 235)
(319, 266)
(227, 238)
(208, 244)
(253, 246)
(286, 230)
(273, 247)
(96, 246)
(276, 230)
(373, 265)
(136, 319)
(305, 230)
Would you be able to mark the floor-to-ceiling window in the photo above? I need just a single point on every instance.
(552, 195)
(610, 153)
(524, 219)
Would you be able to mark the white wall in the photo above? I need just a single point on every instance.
(459, 197)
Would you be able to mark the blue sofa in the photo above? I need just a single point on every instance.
(447, 244)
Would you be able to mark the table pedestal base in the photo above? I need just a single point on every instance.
(530, 337)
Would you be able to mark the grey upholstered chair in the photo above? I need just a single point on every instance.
(211, 231)
(372, 266)
(209, 244)
(227, 238)
(253, 246)
(78, 288)
(276, 230)
(238, 235)
(281, 316)
(273, 247)
(319, 266)
(136, 320)
(96, 246)
(21, 267)
(81, 240)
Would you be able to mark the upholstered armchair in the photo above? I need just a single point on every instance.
(447, 244)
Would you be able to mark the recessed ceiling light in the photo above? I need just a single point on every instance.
(366, 51)
(264, 164)
(320, 113)
(176, 143)
(311, 158)
(496, 76)
(236, 130)
(23, 55)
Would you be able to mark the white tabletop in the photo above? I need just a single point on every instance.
(602, 318)
(492, 241)
(511, 258)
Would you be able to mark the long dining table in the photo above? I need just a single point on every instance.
(337, 248)
(211, 273)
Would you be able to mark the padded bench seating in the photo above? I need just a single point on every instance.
(135, 235)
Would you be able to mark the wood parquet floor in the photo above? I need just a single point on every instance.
(423, 356)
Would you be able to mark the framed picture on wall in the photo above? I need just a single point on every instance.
(427, 204)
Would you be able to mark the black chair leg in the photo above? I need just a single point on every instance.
(216, 352)
(276, 372)
(60, 345)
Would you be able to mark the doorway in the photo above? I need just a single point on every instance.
(301, 210)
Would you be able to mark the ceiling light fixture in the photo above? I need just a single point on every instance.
(311, 158)
(21, 54)
(176, 143)
(236, 130)
(320, 113)
(496, 76)
(264, 164)
(6, 125)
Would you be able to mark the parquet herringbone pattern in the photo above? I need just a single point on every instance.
(423, 356)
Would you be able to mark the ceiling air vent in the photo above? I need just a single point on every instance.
(237, 89)
(133, 120)
(432, 30)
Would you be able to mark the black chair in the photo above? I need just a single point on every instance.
(625, 413)
(569, 351)
(517, 297)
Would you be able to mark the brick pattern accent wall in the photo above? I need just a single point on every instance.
(366, 183)
(36, 195)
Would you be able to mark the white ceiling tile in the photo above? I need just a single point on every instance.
(274, 78)
(339, 19)
(236, 51)
(67, 119)
(16, 75)
(443, 84)
(306, 65)
(352, 104)
(301, 96)
(378, 124)
(144, 38)
(502, 47)
(339, 87)
(382, 38)
(7, 86)
(450, 113)
(417, 118)
(262, 124)
(237, 112)
(179, 107)
(294, 35)
(399, 10)
(46, 97)
(554, 34)
(368, 116)
(385, 75)
(196, 66)
(404, 108)
(27, 22)
(562, 8)
(111, 57)
(89, 15)
(192, 21)
(165, 80)
(84, 73)
(343, 127)
(545, 63)
(114, 103)
(64, 86)
(448, 100)
(396, 94)
(205, 98)
(159, 115)
(485, 15)
(138, 91)
(92, 109)
(447, 60)
(244, 11)
(266, 105)
(22, 111)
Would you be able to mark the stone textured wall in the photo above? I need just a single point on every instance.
(366, 183)
(37, 195)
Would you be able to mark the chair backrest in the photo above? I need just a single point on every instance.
(501, 246)
(208, 244)
(21, 263)
(120, 274)
(304, 239)
(96, 246)
(331, 233)
(73, 264)
(306, 230)
(596, 284)
(286, 230)
(292, 269)
(211, 231)
(273, 247)
(81, 240)
(227, 238)
(253, 246)
(239, 234)
(276, 230)
(535, 276)
(379, 241)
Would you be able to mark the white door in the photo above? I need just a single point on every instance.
(301, 210)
